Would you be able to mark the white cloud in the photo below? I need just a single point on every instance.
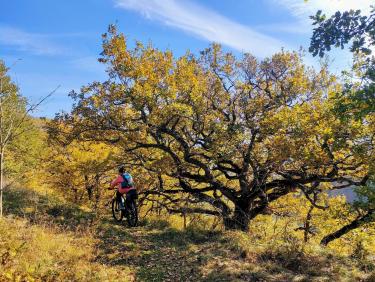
(34, 43)
(205, 23)
(304, 9)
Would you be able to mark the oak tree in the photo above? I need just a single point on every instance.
(223, 136)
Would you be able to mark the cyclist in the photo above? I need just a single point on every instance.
(125, 185)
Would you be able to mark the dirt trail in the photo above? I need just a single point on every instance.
(160, 254)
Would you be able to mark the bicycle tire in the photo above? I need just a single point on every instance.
(132, 214)
(116, 212)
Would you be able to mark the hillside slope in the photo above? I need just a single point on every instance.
(45, 239)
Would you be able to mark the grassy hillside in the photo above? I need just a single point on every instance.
(42, 238)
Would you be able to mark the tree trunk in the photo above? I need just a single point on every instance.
(89, 187)
(98, 192)
(75, 192)
(307, 227)
(185, 223)
(238, 221)
(349, 227)
(241, 217)
(1, 180)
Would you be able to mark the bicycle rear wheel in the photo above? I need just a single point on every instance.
(132, 214)
(116, 212)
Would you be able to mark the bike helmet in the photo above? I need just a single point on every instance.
(121, 169)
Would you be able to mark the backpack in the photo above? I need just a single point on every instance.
(128, 180)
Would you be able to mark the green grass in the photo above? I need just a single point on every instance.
(44, 238)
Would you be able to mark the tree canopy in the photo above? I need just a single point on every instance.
(223, 136)
(339, 30)
(357, 99)
(342, 28)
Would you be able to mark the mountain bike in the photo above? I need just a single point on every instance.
(130, 211)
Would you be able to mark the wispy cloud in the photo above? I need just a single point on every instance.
(301, 23)
(205, 23)
(304, 9)
(33, 43)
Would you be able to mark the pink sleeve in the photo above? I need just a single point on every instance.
(117, 181)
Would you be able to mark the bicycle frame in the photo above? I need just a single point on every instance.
(130, 212)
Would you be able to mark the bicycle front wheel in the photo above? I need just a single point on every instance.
(116, 211)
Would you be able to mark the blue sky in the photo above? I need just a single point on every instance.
(57, 43)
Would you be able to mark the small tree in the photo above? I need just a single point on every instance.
(15, 120)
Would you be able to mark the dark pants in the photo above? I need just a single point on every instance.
(132, 195)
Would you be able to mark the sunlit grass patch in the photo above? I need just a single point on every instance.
(30, 252)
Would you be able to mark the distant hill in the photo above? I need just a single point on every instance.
(347, 192)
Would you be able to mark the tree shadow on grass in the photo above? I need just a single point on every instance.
(162, 253)
(156, 251)
(43, 208)
(168, 254)
(181, 239)
(228, 275)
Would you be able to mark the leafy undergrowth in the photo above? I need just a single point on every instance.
(45, 239)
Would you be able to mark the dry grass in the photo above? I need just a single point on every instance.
(34, 253)
(45, 239)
